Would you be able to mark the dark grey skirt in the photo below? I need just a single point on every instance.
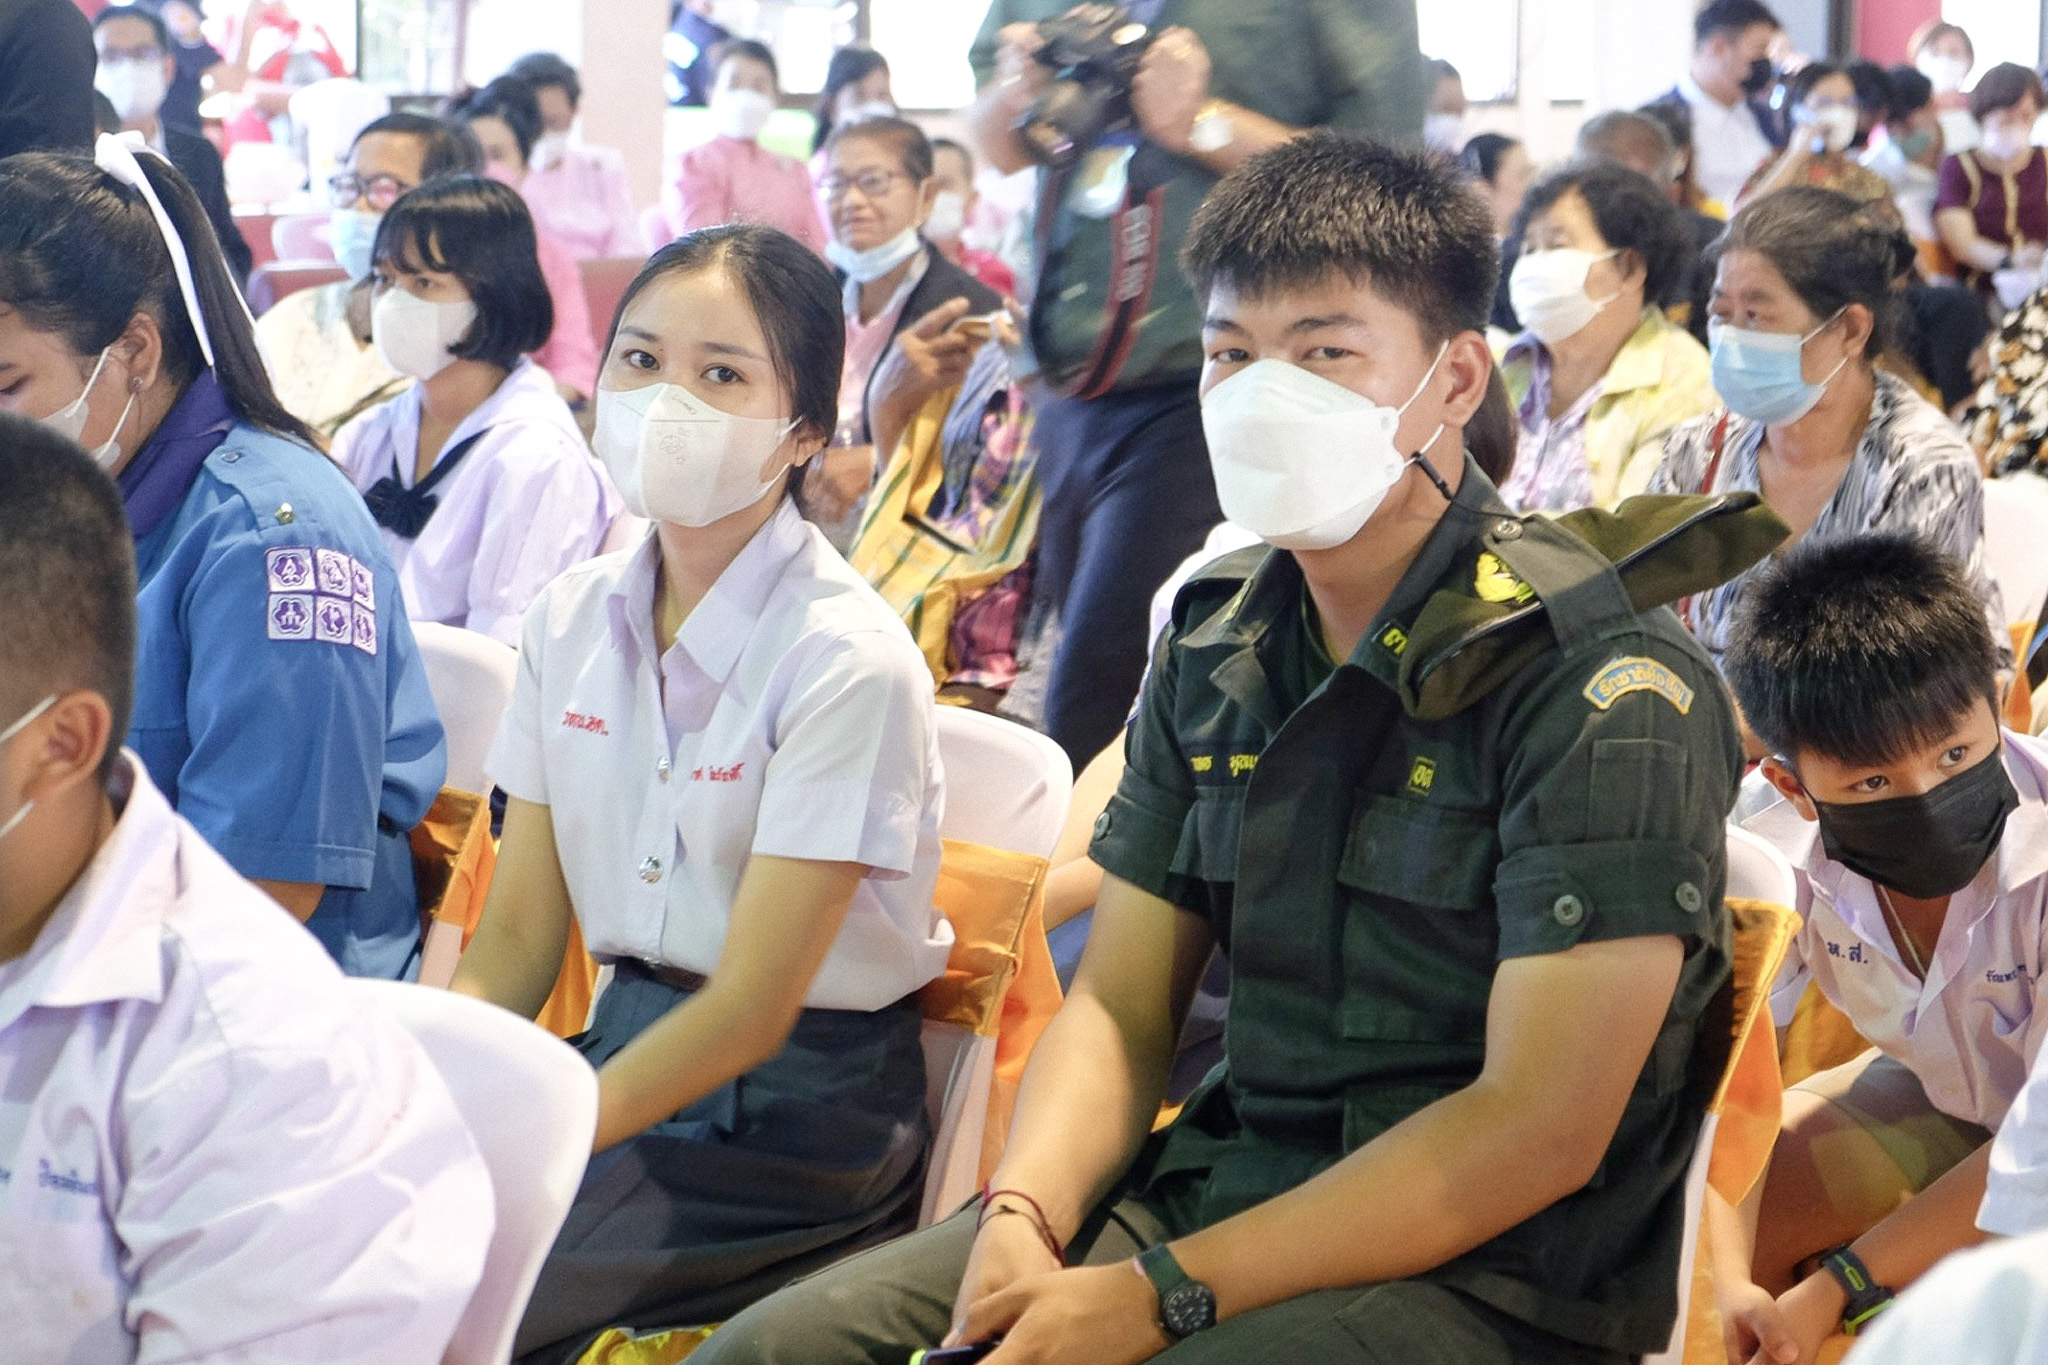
(815, 1155)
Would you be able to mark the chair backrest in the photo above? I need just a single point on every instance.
(279, 279)
(303, 236)
(531, 1105)
(1757, 871)
(604, 283)
(1007, 786)
(471, 677)
(2015, 525)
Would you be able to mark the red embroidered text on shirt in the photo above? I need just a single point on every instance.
(730, 774)
(575, 720)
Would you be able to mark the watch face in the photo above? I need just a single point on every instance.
(1190, 1308)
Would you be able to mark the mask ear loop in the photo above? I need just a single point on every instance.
(1816, 332)
(1417, 460)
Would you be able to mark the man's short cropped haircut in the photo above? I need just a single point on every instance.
(1730, 17)
(67, 579)
(446, 148)
(1408, 225)
(1861, 649)
(154, 20)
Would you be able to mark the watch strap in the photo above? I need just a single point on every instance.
(1162, 1269)
(1867, 1298)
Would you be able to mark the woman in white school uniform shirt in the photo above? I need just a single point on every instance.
(721, 759)
(477, 474)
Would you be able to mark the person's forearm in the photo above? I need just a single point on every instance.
(512, 963)
(1084, 1064)
(1732, 1232)
(1958, 232)
(992, 124)
(1940, 1219)
(1427, 1190)
(1251, 133)
(301, 898)
(701, 1044)
(1781, 174)
(1071, 889)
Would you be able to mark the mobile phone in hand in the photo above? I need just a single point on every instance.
(978, 328)
(956, 1355)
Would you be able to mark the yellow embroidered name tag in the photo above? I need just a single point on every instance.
(1422, 777)
(1638, 674)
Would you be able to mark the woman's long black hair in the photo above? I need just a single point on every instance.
(80, 256)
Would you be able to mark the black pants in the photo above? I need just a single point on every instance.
(1128, 496)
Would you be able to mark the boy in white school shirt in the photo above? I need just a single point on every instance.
(208, 1151)
(1919, 832)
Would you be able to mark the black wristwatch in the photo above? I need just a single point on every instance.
(1867, 1298)
(1185, 1306)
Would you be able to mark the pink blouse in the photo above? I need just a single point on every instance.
(583, 201)
(726, 180)
(570, 354)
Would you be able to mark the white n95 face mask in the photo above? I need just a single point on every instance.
(1302, 462)
(413, 334)
(1548, 292)
(675, 458)
(738, 113)
(948, 216)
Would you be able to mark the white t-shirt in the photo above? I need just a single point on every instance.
(1727, 143)
(1971, 1030)
(209, 1149)
(792, 717)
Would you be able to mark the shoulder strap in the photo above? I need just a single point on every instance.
(406, 511)
(1582, 594)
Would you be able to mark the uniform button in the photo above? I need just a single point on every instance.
(285, 515)
(1567, 910)
(661, 767)
(230, 456)
(1689, 898)
(650, 871)
(1102, 825)
(1508, 529)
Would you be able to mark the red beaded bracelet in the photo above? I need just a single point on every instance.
(1032, 1211)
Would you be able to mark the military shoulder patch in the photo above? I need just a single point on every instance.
(1495, 582)
(1638, 674)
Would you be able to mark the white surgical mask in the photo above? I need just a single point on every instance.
(1946, 73)
(1444, 133)
(352, 235)
(135, 89)
(675, 458)
(1300, 461)
(69, 421)
(550, 148)
(739, 113)
(1836, 123)
(413, 334)
(1548, 291)
(867, 111)
(13, 822)
(948, 216)
(865, 267)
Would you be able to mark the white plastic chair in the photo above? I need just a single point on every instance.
(1757, 871)
(531, 1105)
(471, 676)
(1006, 787)
(2015, 526)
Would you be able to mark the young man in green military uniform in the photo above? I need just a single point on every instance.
(1468, 879)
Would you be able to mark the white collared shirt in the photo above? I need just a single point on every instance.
(792, 717)
(1727, 143)
(527, 501)
(209, 1151)
(1972, 1029)
(2016, 1187)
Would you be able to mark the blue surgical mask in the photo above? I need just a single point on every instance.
(13, 822)
(352, 233)
(1759, 375)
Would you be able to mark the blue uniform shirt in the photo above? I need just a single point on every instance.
(280, 701)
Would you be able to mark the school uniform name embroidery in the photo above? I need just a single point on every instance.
(1854, 953)
(576, 720)
(320, 595)
(730, 773)
(69, 1182)
(1638, 674)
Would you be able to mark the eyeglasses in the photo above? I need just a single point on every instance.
(381, 190)
(114, 56)
(872, 184)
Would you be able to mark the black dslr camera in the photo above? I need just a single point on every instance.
(1093, 51)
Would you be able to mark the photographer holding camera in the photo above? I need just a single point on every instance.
(1132, 112)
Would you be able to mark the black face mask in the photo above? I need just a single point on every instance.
(1925, 846)
(1761, 73)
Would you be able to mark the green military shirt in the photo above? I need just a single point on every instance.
(1349, 64)
(1366, 871)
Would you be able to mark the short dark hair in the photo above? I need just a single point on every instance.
(903, 137)
(1623, 137)
(67, 579)
(1482, 153)
(1834, 250)
(754, 52)
(1444, 71)
(849, 66)
(509, 100)
(1933, 31)
(480, 231)
(946, 144)
(1860, 649)
(1730, 17)
(1633, 215)
(1908, 92)
(540, 69)
(1800, 83)
(147, 16)
(2002, 87)
(1873, 88)
(448, 148)
(796, 299)
(1406, 224)
(105, 117)
(81, 255)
